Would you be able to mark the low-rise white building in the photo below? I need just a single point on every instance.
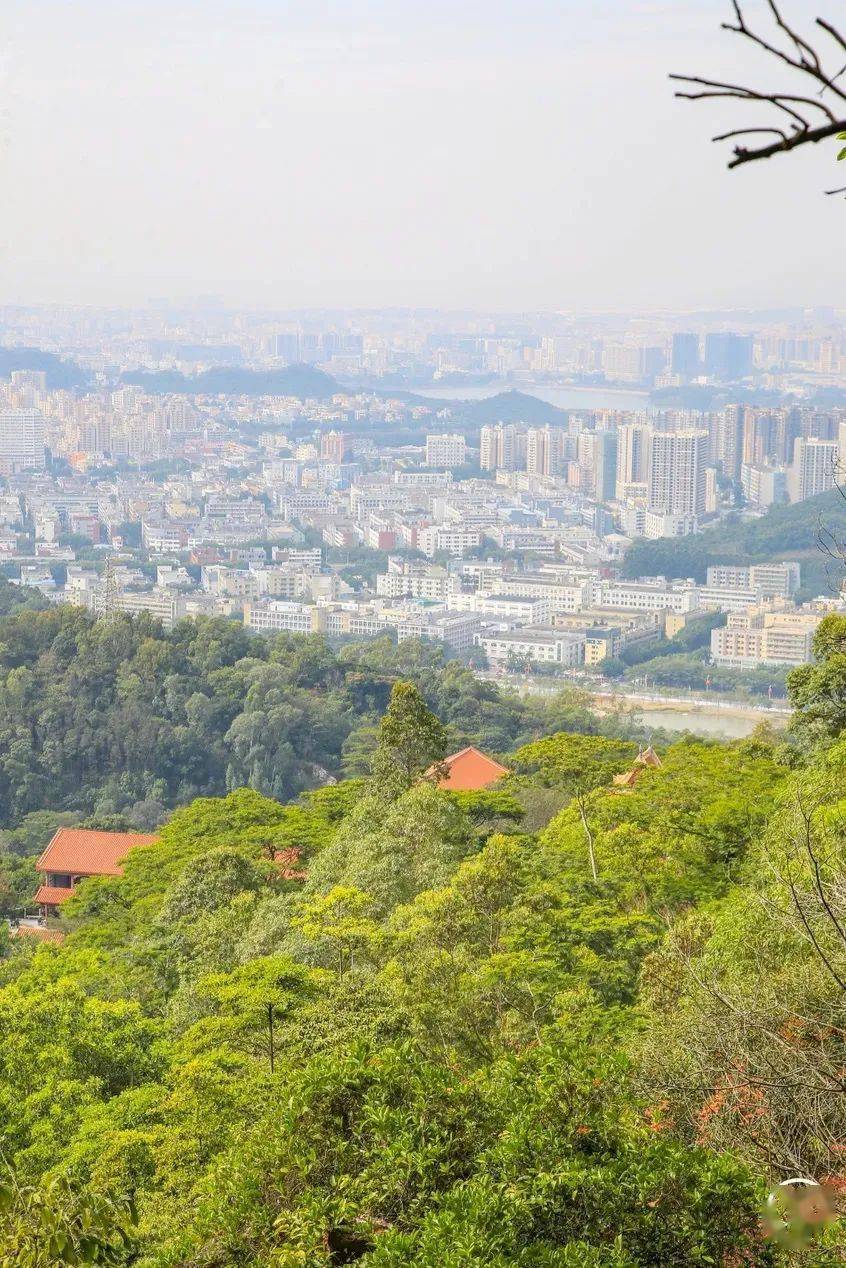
(561, 596)
(422, 479)
(435, 585)
(437, 539)
(277, 614)
(160, 603)
(457, 630)
(544, 646)
(517, 609)
(652, 595)
(729, 599)
(774, 581)
(658, 524)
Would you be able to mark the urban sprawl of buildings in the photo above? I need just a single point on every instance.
(372, 510)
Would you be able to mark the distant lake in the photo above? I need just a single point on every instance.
(563, 397)
(715, 726)
(715, 722)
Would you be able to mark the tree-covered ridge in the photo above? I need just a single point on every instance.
(60, 373)
(305, 381)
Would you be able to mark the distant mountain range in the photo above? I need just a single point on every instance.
(303, 381)
(307, 382)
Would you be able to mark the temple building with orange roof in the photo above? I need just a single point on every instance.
(76, 853)
(468, 770)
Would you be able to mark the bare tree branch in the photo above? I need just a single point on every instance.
(808, 59)
(726, 136)
(807, 841)
(800, 57)
(811, 137)
(835, 34)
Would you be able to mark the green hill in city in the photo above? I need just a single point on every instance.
(813, 531)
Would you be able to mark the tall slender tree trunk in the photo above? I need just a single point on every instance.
(589, 837)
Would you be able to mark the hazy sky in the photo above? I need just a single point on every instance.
(510, 154)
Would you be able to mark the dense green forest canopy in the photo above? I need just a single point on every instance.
(559, 1023)
(17, 598)
(448, 1000)
(117, 721)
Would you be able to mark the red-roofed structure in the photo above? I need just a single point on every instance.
(39, 932)
(75, 853)
(469, 770)
(52, 895)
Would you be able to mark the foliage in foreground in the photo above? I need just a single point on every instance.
(388, 1024)
(445, 1001)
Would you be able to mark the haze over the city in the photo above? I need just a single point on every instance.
(505, 155)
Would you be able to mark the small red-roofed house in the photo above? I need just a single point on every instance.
(75, 853)
(469, 770)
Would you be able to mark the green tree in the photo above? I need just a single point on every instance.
(746, 1046)
(393, 852)
(18, 883)
(482, 1055)
(578, 765)
(411, 740)
(206, 912)
(340, 921)
(50, 1226)
(36, 829)
(818, 690)
(383, 1157)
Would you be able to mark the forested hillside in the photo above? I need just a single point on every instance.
(563, 1022)
(115, 722)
